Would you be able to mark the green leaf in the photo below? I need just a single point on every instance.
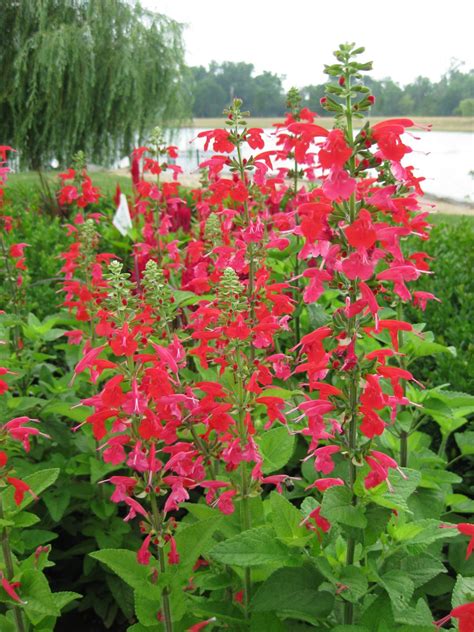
(435, 478)
(286, 520)
(277, 391)
(337, 508)
(38, 482)
(146, 609)
(35, 591)
(276, 447)
(124, 564)
(25, 519)
(138, 627)
(421, 348)
(420, 532)
(184, 298)
(222, 610)
(416, 618)
(399, 588)
(422, 568)
(465, 441)
(351, 628)
(24, 404)
(122, 593)
(7, 625)
(65, 409)
(63, 598)
(293, 592)
(192, 541)
(402, 490)
(57, 501)
(266, 622)
(463, 591)
(356, 581)
(252, 548)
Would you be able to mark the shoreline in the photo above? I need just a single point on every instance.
(439, 123)
(442, 205)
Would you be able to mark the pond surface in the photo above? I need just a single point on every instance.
(445, 159)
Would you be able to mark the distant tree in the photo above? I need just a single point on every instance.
(214, 89)
(465, 107)
(269, 98)
(311, 98)
(93, 75)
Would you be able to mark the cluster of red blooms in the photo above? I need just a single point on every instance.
(175, 435)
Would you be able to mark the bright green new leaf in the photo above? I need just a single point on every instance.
(276, 447)
(286, 520)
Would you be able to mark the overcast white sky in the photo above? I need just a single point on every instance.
(404, 38)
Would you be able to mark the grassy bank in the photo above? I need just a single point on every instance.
(440, 123)
(22, 186)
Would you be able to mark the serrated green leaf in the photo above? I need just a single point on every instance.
(146, 608)
(399, 588)
(192, 541)
(293, 591)
(286, 520)
(252, 548)
(465, 441)
(124, 564)
(463, 591)
(37, 595)
(402, 488)
(337, 507)
(356, 581)
(422, 568)
(276, 447)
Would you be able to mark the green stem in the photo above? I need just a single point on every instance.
(244, 482)
(8, 559)
(297, 262)
(13, 293)
(402, 362)
(251, 281)
(204, 451)
(354, 377)
(157, 523)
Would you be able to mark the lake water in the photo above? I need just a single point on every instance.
(445, 159)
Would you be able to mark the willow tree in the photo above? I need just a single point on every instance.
(92, 75)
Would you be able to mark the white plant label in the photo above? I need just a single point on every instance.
(122, 220)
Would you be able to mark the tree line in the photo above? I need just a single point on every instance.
(98, 76)
(214, 87)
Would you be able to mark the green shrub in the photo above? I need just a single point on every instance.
(452, 247)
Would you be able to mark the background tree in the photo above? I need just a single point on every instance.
(215, 87)
(86, 74)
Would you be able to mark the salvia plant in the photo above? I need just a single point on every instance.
(249, 412)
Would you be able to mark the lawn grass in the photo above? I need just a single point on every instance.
(451, 219)
(21, 185)
(440, 123)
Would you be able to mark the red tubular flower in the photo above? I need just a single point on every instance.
(143, 553)
(465, 614)
(335, 152)
(467, 528)
(20, 489)
(220, 140)
(9, 588)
